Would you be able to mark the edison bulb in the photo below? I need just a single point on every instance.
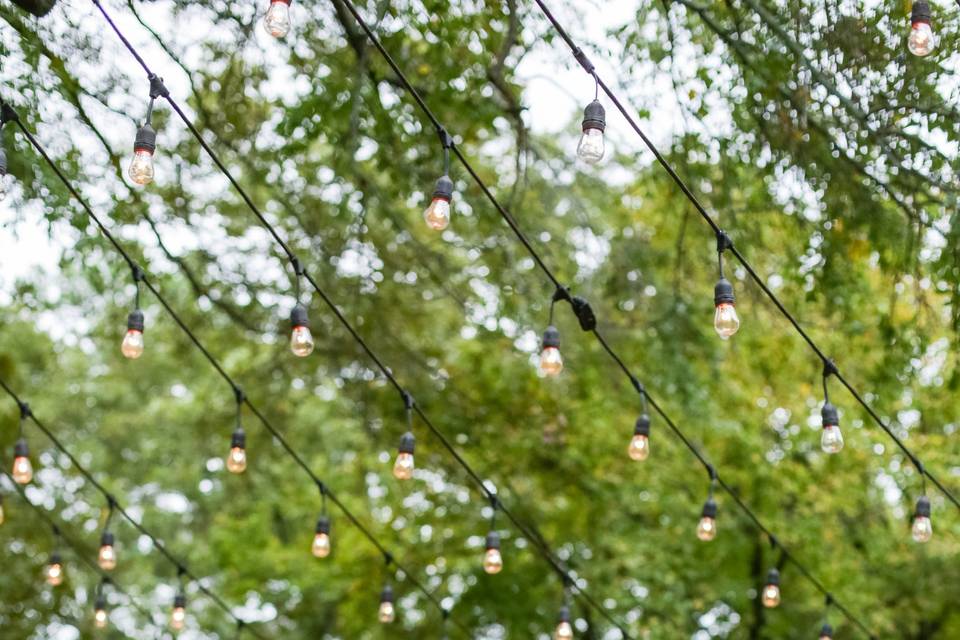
(564, 631)
(921, 42)
(725, 320)
(54, 573)
(437, 215)
(403, 467)
(277, 20)
(132, 345)
(831, 440)
(301, 341)
(141, 167)
(178, 618)
(551, 363)
(493, 561)
(321, 545)
(107, 558)
(707, 529)
(771, 596)
(2, 514)
(591, 146)
(922, 529)
(22, 470)
(639, 448)
(100, 618)
(237, 460)
(387, 613)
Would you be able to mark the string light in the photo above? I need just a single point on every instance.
(771, 590)
(921, 41)
(2, 514)
(707, 527)
(492, 558)
(831, 438)
(100, 616)
(551, 362)
(178, 615)
(237, 458)
(53, 572)
(321, 546)
(564, 630)
(404, 465)
(639, 448)
(145, 144)
(725, 319)
(922, 529)
(590, 149)
(826, 631)
(437, 213)
(387, 612)
(277, 20)
(22, 469)
(301, 340)
(107, 556)
(132, 345)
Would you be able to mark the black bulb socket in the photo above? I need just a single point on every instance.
(551, 337)
(298, 316)
(146, 139)
(773, 577)
(135, 321)
(443, 190)
(239, 439)
(323, 525)
(180, 601)
(101, 603)
(923, 507)
(826, 631)
(564, 614)
(106, 540)
(20, 449)
(407, 443)
(595, 116)
(56, 558)
(723, 293)
(642, 427)
(829, 415)
(709, 509)
(386, 595)
(493, 540)
(921, 12)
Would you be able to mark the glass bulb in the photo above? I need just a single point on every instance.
(922, 529)
(177, 618)
(2, 515)
(387, 612)
(100, 618)
(277, 20)
(591, 146)
(493, 561)
(141, 167)
(54, 574)
(771, 596)
(725, 320)
(922, 41)
(564, 631)
(403, 468)
(132, 346)
(321, 545)
(237, 460)
(107, 558)
(301, 341)
(551, 363)
(22, 470)
(707, 529)
(831, 440)
(437, 215)
(639, 448)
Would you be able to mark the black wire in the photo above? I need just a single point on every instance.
(582, 59)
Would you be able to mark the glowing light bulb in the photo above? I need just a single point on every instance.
(107, 557)
(132, 345)
(922, 529)
(551, 364)
(100, 617)
(725, 319)
(145, 145)
(321, 539)
(771, 590)
(921, 42)
(492, 558)
(591, 146)
(178, 616)
(437, 214)
(639, 448)
(237, 458)
(707, 528)
(22, 469)
(2, 514)
(564, 630)
(387, 612)
(826, 632)
(53, 572)
(403, 467)
(277, 20)
(831, 439)
(301, 340)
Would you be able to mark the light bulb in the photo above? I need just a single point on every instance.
(141, 167)
(132, 346)
(551, 364)
(771, 590)
(831, 439)
(639, 448)
(826, 632)
(921, 41)
(54, 571)
(277, 20)
(100, 613)
(2, 514)
(178, 616)
(107, 557)
(437, 214)
(403, 467)
(707, 528)
(387, 612)
(492, 558)
(321, 539)
(922, 529)
(591, 146)
(725, 319)
(301, 340)
(237, 458)
(563, 631)
(22, 469)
